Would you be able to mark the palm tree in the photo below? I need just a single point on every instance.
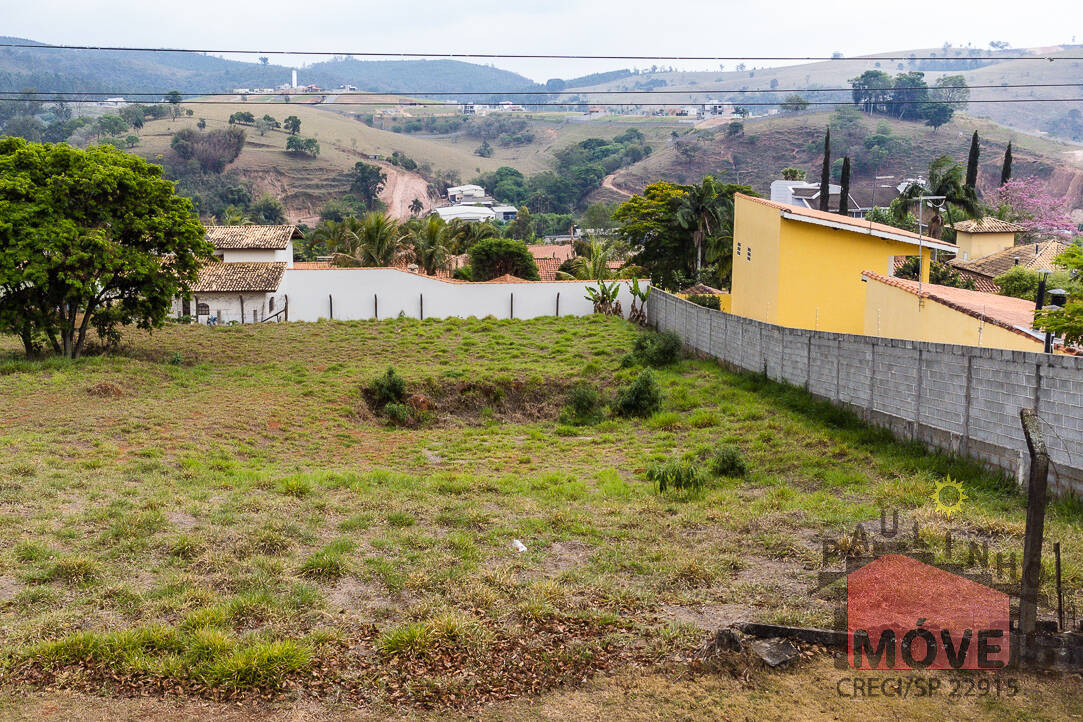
(429, 247)
(595, 265)
(234, 216)
(461, 235)
(338, 236)
(699, 212)
(946, 178)
(416, 207)
(382, 241)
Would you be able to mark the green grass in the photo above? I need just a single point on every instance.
(240, 520)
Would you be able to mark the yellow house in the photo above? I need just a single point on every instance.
(983, 236)
(802, 268)
(902, 308)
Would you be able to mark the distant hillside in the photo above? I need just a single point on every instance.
(767, 145)
(134, 72)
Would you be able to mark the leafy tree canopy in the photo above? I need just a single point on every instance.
(93, 238)
(494, 257)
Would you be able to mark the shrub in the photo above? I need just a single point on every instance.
(398, 414)
(706, 300)
(640, 398)
(727, 461)
(583, 407)
(677, 475)
(657, 349)
(390, 388)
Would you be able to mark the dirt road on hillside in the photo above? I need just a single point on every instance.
(400, 190)
(607, 183)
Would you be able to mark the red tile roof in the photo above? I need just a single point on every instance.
(239, 277)
(561, 251)
(311, 265)
(1014, 314)
(507, 278)
(547, 268)
(1035, 256)
(987, 224)
(251, 237)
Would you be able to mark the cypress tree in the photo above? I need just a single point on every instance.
(1006, 169)
(844, 191)
(972, 163)
(825, 174)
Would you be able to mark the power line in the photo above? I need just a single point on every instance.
(668, 91)
(527, 56)
(567, 103)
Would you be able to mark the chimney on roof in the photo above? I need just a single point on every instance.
(1035, 249)
(1016, 258)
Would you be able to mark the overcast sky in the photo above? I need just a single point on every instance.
(581, 27)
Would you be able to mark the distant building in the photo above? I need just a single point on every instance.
(505, 213)
(466, 213)
(114, 102)
(465, 193)
(807, 195)
(475, 109)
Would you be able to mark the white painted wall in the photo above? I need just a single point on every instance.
(358, 292)
(227, 306)
(257, 255)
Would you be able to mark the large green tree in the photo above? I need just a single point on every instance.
(495, 257)
(89, 239)
(366, 182)
(649, 225)
(971, 181)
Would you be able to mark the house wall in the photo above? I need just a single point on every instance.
(804, 275)
(960, 399)
(821, 275)
(973, 246)
(754, 285)
(258, 255)
(227, 306)
(895, 313)
(366, 293)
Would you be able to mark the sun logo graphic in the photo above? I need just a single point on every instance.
(949, 496)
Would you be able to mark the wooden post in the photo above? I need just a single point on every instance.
(242, 309)
(558, 304)
(286, 310)
(512, 306)
(375, 307)
(1032, 540)
(1060, 590)
(331, 305)
(422, 297)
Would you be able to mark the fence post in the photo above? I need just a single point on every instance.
(1032, 540)
(331, 305)
(286, 311)
(242, 308)
(512, 306)
(375, 308)
(558, 304)
(422, 297)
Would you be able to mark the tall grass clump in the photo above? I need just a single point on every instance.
(388, 388)
(727, 460)
(657, 349)
(676, 475)
(584, 406)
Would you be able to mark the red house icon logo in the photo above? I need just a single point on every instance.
(905, 614)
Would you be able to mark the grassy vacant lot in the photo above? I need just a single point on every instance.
(215, 514)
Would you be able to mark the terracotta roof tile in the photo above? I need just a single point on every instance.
(560, 251)
(1035, 256)
(239, 277)
(547, 268)
(311, 265)
(701, 289)
(987, 224)
(251, 237)
(1014, 314)
(507, 278)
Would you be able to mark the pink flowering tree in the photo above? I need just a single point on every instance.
(1026, 202)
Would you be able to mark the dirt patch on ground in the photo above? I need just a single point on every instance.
(473, 403)
(566, 555)
(708, 617)
(9, 587)
(105, 389)
(180, 519)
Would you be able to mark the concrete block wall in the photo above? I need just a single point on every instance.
(961, 399)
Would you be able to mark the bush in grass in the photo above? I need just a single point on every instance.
(390, 388)
(398, 414)
(642, 397)
(676, 475)
(727, 461)
(584, 406)
(706, 300)
(657, 349)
